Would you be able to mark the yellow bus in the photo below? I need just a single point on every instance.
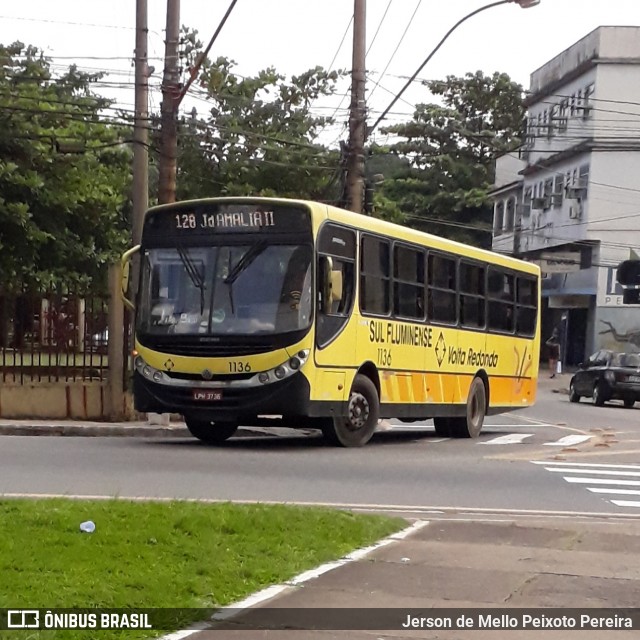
(266, 311)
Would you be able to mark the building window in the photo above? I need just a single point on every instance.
(498, 217)
(509, 215)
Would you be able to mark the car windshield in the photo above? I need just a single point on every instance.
(254, 288)
(626, 360)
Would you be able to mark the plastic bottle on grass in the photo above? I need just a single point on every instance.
(88, 527)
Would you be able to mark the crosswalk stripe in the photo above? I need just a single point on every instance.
(602, 472)
(568, 441)
(626, 503)
(621, 492)
(626, 483)
(549, 463)
(511, 438)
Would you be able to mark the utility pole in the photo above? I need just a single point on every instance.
(140, 184)
(170, 93)
(357, 112)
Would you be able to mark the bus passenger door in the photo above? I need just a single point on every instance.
(335, 332)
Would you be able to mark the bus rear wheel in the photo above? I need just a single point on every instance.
(470, 425)
(211, 432)
(363, 411)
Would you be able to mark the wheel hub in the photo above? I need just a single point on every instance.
(358, 412)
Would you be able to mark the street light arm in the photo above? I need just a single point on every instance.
(414, 76)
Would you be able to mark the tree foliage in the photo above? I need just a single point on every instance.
(451, 148)
(258, 135)
(62, 215)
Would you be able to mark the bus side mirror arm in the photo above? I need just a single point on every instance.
(125, 269)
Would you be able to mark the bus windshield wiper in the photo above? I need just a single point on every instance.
(252, 253)
(193, 273)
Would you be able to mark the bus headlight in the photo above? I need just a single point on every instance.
(286, 369)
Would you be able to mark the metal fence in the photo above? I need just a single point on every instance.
(53, 336)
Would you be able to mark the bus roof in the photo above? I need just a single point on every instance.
(368, 223)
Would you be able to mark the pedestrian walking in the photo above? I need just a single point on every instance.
(553, 346)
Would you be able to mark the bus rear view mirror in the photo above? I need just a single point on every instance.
(336, 286)
(326, 268)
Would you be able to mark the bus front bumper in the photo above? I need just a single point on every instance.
(289, 397)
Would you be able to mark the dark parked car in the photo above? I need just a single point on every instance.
(608, 375)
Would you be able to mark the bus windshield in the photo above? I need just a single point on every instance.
(247, 289)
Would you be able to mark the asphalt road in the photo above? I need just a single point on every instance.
(556, 456)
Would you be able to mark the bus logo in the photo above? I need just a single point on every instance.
(441, 349)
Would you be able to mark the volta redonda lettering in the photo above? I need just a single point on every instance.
(472, 357)
(400, 334)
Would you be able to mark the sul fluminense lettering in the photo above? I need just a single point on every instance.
(227, 220)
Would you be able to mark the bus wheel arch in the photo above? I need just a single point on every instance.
(356, 428)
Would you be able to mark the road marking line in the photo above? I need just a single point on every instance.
(585, 464)
(626, 503)
(622, 492)
(568, 441)
(512, 438)
(602, 472)
(627, 483)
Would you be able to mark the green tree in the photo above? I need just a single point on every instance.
(64, 175)
(258, 135)
(451, 148)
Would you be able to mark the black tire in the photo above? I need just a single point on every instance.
(442, 427)
(629, 402)
(363, 411)
(573, 395)
(211, 432)
(471, 425)
(598, 396)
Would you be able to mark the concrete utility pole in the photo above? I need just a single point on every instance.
(170, 93)
(140, 185)
(357, 112)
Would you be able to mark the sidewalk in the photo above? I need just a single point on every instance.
(460, 564)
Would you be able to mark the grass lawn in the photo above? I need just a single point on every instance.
(162, 554)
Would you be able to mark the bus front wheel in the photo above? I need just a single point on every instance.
(211, 432)
(356, 428)
(470, 425)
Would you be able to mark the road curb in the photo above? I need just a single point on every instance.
(95, 431)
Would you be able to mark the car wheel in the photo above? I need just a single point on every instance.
(598, 395)
(629, 402)
(356, 428)
(211, 432)
(574, 396)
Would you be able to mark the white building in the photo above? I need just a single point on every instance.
(570, 199)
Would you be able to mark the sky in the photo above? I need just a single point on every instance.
(295, 35)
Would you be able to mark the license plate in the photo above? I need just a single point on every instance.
(207, 395)
(633, 378)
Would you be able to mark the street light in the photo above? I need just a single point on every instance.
(524, 4)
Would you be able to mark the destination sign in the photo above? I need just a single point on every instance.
(211, 218)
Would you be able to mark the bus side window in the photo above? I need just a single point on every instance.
(441, 302)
